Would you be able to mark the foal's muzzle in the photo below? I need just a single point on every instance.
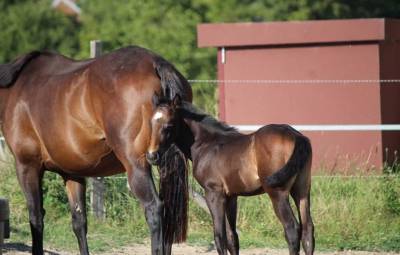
(153, 158)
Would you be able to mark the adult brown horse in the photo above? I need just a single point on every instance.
(91, 118)
(275, 160)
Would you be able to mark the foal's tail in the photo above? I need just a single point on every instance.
(301, 153)
(9, 72)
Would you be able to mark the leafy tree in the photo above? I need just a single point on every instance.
(169, 29)
(29, 25)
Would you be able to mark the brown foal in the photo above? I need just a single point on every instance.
(91, 118)
(276, 159)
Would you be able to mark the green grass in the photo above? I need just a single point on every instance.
(349, 213)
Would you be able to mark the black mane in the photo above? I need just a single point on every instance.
(213, 125)
(9, 72)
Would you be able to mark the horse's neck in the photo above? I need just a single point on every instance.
(3, 101)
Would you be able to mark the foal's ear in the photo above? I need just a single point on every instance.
(155, 100)
(177, 101)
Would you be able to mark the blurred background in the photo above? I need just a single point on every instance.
(168, 27)
(350, 212)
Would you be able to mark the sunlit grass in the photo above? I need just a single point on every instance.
(349, 213)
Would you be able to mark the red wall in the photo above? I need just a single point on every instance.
(313, 50)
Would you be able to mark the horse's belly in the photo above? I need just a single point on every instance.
(244, 181)
(75, 157)
(242, 175)
(104, 166)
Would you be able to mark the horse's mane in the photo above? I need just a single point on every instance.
(213, 125)
(9, 72)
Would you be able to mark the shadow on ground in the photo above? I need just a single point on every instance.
(13, 247)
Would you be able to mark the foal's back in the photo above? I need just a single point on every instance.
(240, 164)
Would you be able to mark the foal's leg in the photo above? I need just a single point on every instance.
(232, 236)
(301, 195)
(30, 175)
(307, 225)
(216, 202)
(142, 186)
(282, 208)
(76, 188)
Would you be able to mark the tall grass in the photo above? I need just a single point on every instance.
(361, 213)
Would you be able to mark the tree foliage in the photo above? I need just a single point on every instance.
(28, 25)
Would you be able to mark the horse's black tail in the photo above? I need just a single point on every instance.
(173, 168)
(301, 153)
(9, 72)
(174, 194)
(172, 81)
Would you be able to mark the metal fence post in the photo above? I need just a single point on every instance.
(98, 185)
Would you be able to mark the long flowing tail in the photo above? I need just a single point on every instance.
(298, 159)
(9, 72)
(174, 194)
(173, 168)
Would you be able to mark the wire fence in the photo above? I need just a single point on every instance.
(300, 81)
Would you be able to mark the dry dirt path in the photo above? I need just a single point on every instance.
(183, 249)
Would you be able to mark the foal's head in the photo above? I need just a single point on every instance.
(164, 127)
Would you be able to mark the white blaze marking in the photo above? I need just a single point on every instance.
(158, 115)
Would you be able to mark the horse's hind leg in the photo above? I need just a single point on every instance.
(232, 236)
(307, 226)
(30, 175)
(282, 208)
(216, 202)
(76, 188)
(301, 195)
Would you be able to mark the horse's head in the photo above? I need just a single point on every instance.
(164, 127)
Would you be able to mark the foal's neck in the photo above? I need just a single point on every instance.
(200, 133)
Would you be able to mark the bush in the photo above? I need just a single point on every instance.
(391, 190)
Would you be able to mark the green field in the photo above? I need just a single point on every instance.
(359, 213)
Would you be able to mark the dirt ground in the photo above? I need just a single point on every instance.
(182, 249)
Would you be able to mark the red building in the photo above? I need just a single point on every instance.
(326, 78)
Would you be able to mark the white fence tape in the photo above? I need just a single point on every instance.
(383, 127)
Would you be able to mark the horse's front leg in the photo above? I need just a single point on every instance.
(76, 188)
(232, 236)
(30, 175)
(142, 186)
(216, 202)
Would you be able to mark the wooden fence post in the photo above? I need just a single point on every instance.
(2, 148)
(98, 186)
(4, 218)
